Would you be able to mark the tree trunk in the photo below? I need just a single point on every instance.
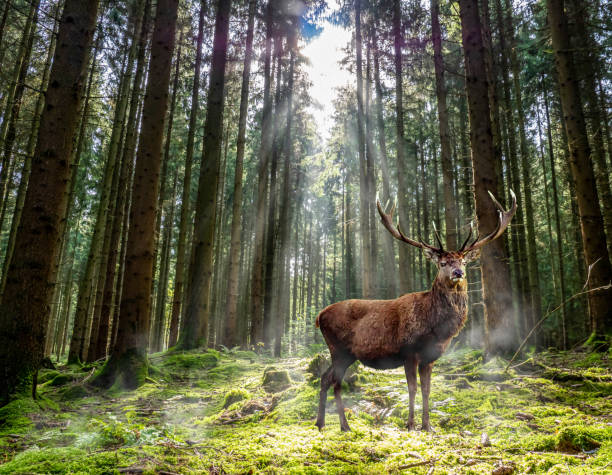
(231, 337)
(27, 161)
(257, 277)
(179, 273)
(588, 68)
(532, 261)
(364, 211)
(389, 253)
(406, 282)
(499, 332)
(14, 93)
(197, 311)
(128, 361)
(25, 302)
(450, 209)
(271, 233)
(591, 221)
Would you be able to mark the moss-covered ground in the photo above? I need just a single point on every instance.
(209, 412)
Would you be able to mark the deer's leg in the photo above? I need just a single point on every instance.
(410, 367)
(340, 366)
(425, 376)
(326, 381)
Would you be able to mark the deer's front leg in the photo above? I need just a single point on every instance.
(425, 376)
(410, 367)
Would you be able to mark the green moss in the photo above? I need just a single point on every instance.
(47, 375)
(63, 378)
(317, 365)
(578, 438)
(14, 415)
(275, 380)
(74, 392)
(191, 360)
(180, 424)
(235, 395)
(62, 460)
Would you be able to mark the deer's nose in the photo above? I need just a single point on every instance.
(458, 273)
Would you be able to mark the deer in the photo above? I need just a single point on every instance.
(413, 330)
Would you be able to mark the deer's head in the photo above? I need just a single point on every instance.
(451, 264)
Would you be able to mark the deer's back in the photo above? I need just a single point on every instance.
(374, 330)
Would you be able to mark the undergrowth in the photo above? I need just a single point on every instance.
(217, 412)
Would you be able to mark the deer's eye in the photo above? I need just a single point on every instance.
(442, 264)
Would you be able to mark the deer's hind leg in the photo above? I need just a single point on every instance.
(326, 381)
(340, 365)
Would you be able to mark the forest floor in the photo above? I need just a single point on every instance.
(210, 412)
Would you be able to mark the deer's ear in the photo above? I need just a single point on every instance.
(472, 255)
(432, 255)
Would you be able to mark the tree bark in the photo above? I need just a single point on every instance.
(499, 332)
(450, 209)
(257, 277)
(197, 311)
(231, 337)
(128, 361)
(364, 211)
(591, 221)
(406, 282)
(25, 302)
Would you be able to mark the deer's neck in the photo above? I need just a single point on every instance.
(449, 305)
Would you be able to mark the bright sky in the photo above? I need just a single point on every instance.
(324, 52)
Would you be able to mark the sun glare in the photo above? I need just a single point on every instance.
(325, 72)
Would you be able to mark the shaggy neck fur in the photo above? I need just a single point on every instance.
(450, 303)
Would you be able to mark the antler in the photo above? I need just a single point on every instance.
(504, 220)
(396, 232)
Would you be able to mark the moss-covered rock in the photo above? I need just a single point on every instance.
(189, 360)
(46, 375)
(73, 392)
(318, 365)
(235, 395)
(275, 380)
(62, 379)
(14, 417)
(576, 438)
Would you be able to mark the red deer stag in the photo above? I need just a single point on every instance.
(412, 330)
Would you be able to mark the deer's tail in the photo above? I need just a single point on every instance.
(317, 322)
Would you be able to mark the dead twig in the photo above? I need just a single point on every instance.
(417, 464)
(536, 326)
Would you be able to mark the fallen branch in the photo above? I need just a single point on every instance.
(537, 325)
(417, 464)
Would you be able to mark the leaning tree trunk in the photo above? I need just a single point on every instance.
(591, 221)
(24, 308)
(197, 308)
(499, 331)
(128, 361)
(230, 336)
